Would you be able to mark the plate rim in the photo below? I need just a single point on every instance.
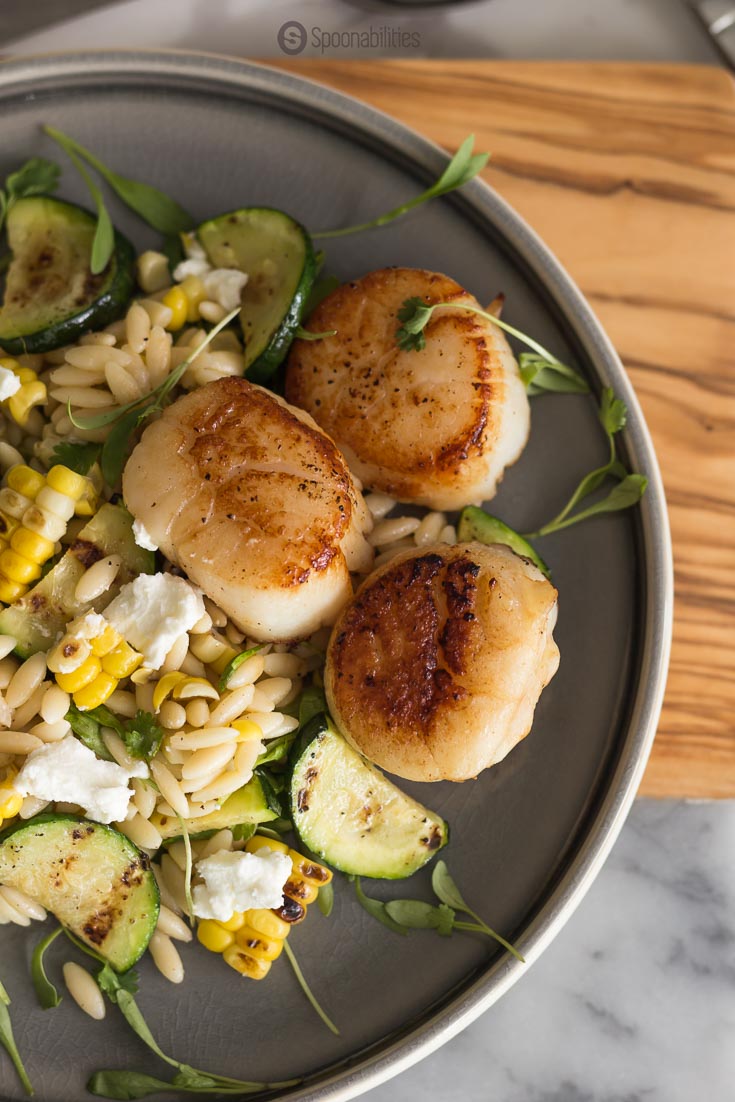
(389, 1058)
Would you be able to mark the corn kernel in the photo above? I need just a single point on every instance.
(247, 729)
(193, 288)
(304, 869)
(25, 480)
(166, 685)
(178, 304)
(192, 687)
(10, 800)
(245, 964)
(235, 922)
(122, 661)
(105, 642)
(96, 693)
(86, 504)
(16, 568)
(46, 524)
(67, 482)
(257, 945)
(10, 364)
(213, 936)
(24, 374)
(267, 924)
(20, 404)
(8, 525)
(82, 676)
(51, 501)
(68, 654)
(260, 841)
(10, 591)
(31, 546)
(12, 503)
(300, 890)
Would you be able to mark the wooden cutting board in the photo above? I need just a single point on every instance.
(627, 172)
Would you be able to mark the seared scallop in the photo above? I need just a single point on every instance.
(436, 426)
(435, 668)
(255, 504)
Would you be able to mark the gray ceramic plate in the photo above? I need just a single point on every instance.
(527, 837)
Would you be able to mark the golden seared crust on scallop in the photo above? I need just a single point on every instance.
(436, 426)
(435, 668)
(256, 505)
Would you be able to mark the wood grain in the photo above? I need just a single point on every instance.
(628, 173)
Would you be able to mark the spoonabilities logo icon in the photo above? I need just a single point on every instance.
(292, 37)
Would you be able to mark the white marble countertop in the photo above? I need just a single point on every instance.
(635, 999)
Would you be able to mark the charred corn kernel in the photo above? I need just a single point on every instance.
(105, 642)
(10, 591)
(193, 288)
(234, 922)
(25, 480)
(300, 890)
(96, 693)
(20, 404)
(82, 676)
(291, 911)
(247, 729)
(267, 924)
(165, 686)
(66, 481)
(258, 945)
(12, 503)
(304, 869)
(16, 568)
(260, 841)
(121, 661)
(214, 936)
(178, 304)
(246, 965)
(45, 523)
(192, 687)
(31, 546)
(68, 654)
(86, 503)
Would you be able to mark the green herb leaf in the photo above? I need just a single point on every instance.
(325, 899)
(187, 869)
(307, 990)
(235, 664)
(629, 490)
(155, 207)
(7, 1040)
(447, 891)
(126, 1085)
(243, 831)
(271, 786)
(417, 915)
(118, 445)
(104, 235)
(377, 909)
(462, 168)
(173, 250)
(77, 457)
(143, 735)
(36, 177)
(415, 315)
(47, 995)
(312, 703)
(276, 750)
(302, 334)
(87, 729)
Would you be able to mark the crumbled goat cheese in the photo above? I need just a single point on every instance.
(142, 536)
(152, 612)
(9, 383)
(240, 881)
(69, 772)
(221, 285)
(88, 626)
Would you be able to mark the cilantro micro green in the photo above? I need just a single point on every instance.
(307, 990)
(540, 370)
(127, 418)
(47, 995)
(159, 210)
(36, 177)
(7, 1040)
(463, 167)
(629, 488)
(77, 457)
